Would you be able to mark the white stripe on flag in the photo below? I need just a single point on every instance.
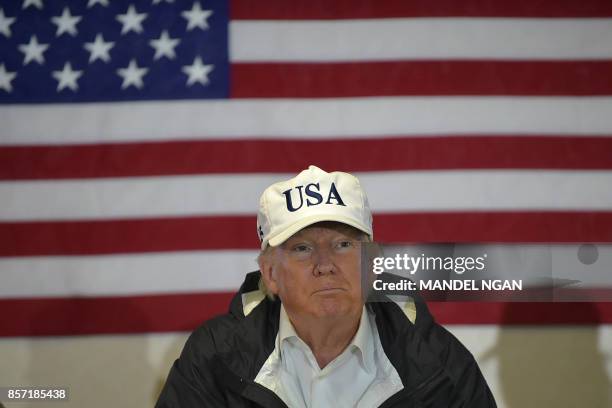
(317, 118)
(180, 272)
(239, 194)
(421, 38)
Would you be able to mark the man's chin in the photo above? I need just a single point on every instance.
(331, 306)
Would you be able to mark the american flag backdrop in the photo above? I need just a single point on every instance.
(136, 138)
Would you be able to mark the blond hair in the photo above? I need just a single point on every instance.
(264, 253)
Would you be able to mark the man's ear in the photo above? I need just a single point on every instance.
(266, 267)
(372, 250)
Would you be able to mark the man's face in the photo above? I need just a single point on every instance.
(316, 272)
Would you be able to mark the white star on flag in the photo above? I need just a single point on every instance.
(131, 20)
(132, 75)
(33, 51)
(6, 78)
(197, 72)
(66, 23)
(36, 3)
(99, 49)
(92, 3)
(164, 46)
(196, 17)
(67, 78)
(5, 24)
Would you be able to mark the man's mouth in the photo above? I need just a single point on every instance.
(329, 290)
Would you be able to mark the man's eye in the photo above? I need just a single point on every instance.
(301, 248)
(345, 244)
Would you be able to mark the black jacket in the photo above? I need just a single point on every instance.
(223, 356)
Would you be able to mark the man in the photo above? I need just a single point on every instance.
(299, 332)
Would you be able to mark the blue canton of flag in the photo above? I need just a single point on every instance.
(102, 50)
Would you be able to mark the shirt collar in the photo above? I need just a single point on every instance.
(362, 341)
(285, 327)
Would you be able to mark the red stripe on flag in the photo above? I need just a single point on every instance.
(348, 9)
(522, 313)
(397, 78)
(127, 236)
(105, 315)
(266, 156)
(552, 226)
(184, 312)
(238, 232)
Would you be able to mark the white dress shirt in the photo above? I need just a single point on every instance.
(361, 376)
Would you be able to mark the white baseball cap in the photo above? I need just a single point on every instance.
(312, 196)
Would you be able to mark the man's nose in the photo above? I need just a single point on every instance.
(324, 263)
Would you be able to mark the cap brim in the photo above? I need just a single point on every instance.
(313, 219)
